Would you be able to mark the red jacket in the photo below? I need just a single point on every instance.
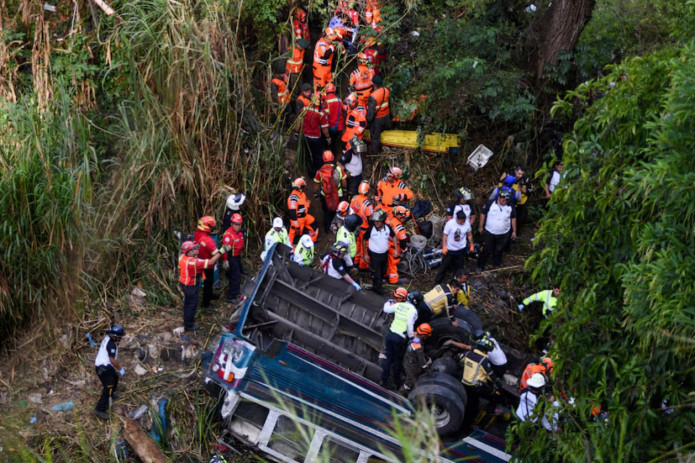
(301, 29)
(235, 239)
(335, 112)
(189, 268)
(314, 120)
(208, 248)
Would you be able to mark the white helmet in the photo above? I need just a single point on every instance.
(536, 381)
(277, 222)
(234, 201)
(306, 241)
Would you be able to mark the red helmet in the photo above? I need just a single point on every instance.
(400, 211)
(343, 207)
(364, 187)
(236, 218)
(206, 223)
(188, 246)
(424, 329)
(328, 156)
(299, 183)
(330, 87)
(300, 14)
(395, 172)
(400, 293)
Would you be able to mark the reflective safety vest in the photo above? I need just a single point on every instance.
(388, 189)
(322, 47)
(306, 102)
(189, 268)
(476, 368)
(362, 207)
(546, 297)
(439, 298)
(297, 204)
(296, 63)
(303, 255)
(402, 312)
(345, 236)
(361, 80)
(463, 296)
(381, 98)
(355, 123)
(283, 94)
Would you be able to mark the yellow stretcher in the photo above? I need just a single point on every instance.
(434, 142)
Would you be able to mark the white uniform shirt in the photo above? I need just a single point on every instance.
(525, 412)
(497, 355)
(107, 347)
(456, 234)
(554, 180)
(354, 167)
(498, 218)
(378, 239)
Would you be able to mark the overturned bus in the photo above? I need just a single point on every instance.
(298, 376)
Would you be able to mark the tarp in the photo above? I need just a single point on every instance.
(434, 142)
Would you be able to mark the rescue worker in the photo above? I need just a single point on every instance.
(377, 239)
(304, 99)
(374, 55)
(314, 124)
(478, 377)
(332, 181)
(295, 64)
(391, 191)
(463, 310)
(463, 195)
(547, 297)
(396, 220)
(361, 80)
(352, 161)
(298, 210)
(207, 250)
(336, 123)
(355, 120)
(415, 361)
(346, 234)
(190, 267)
(233, 206)
(512, 183)
(343, 211)
(497, 357)
(324, 51)
(333, 264)
(304, 252)
(378, 112)
(233, 240)
(300, 28)
(372, 13)
(544, 367)
(363, 207)
(499, 220)
(277, 234)
(400, 331)
(439, 301)
(279, 92)
(108, 369)
(528, 401)
(554, 178)
(457, 240)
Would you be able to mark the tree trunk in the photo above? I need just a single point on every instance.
(558, 29)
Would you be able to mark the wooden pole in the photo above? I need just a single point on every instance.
(145, 448)
(104, 6)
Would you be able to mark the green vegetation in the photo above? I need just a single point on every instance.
(618, 237)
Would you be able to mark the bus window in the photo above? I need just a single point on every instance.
(336, 452)
(291, 439)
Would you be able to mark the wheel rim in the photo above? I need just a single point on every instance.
(441, 416)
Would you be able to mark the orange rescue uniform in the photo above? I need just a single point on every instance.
(355, 123)
(323, 60)
(388, 189)
(283, 95)
(401, 239)
(361, 80)
(300, 219)
(363, 207)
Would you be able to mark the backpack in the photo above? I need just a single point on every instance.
(421, 209)
(328, 185)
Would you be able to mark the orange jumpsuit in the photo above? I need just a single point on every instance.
(280, 95)
(323, 60)
(363, 207)
(300, 219)
(372, 13)
(296, 63)
(402, 238)
(355, 123)
(361, 81)
(388, 188)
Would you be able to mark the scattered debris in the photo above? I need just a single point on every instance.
(64, 407)
(137, 414)
(90, 339)
(36, 398)
(178, 331)
(144, 447)
(139, 370)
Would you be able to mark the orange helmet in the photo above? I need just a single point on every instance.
(400, 293)
(351, 99)
(206, 223)
(329, 32)
(395, 172)
(362, 58)
(236, 218)
(400, 211)
(330, 87)
(328, 156)
(188, 246)
(370, 42)
(424, 329)
(300, 14)
(364, 187)
(343, 207)
(299, 183)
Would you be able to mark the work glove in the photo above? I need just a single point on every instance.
(444, 250)
(122, 371)
(471, 249)
(225, 265)
(521, 307)
(356, 286)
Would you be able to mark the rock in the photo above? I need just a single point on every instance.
(77, 383)
(139, 370)
(35, 398)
